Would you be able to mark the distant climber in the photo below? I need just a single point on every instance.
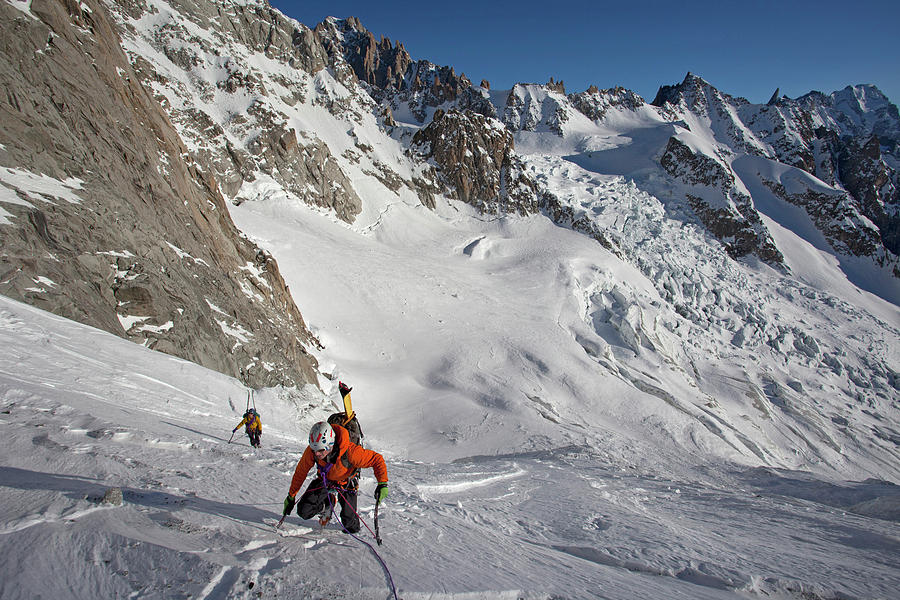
(337, 461)
(254, 427)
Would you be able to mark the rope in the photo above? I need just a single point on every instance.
(328, 485)
(362, 541)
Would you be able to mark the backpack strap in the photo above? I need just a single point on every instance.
(346, 462)
(329, 462)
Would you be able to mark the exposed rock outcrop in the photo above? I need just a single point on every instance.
(595, 103)
(873, 185)
(377, 63)
(476, 159)
(109, 221)
(733, 221)
(392, 77)
(848, 140)
(557, 86)
(836, 217)
(258, 139)
(836, 138)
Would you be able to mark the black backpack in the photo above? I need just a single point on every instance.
(352, 426)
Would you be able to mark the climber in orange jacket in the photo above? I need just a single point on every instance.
(337, 460)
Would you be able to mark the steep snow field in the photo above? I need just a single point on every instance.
(83, 411)
(529, 390)
(553, 428)
(560, 420)
(511, 332)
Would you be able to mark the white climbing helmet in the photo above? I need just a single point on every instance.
(321, 437)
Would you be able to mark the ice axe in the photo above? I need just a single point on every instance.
(377, 534)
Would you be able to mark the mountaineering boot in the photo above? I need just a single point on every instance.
(325, 515)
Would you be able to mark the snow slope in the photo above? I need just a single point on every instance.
(560, 420)
(513, 332)
(475, 334)
(82, 411)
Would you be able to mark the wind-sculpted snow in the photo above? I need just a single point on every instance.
(471, 480)
(87, 412)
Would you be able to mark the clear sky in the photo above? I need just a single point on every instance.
(745, 48)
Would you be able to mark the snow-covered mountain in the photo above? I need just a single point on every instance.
(561, 292)
(685, 194)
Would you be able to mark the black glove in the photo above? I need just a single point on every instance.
(343, 388)
(288, 505)
(381, 491)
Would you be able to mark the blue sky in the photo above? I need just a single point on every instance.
(745, 48)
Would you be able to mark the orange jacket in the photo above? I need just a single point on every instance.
(252, 422)
(357, 456)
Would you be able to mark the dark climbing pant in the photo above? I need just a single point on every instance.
(315, 500)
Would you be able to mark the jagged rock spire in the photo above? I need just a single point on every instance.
(556, 86)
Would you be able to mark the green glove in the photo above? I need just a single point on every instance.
(288, 505)
(381, 492)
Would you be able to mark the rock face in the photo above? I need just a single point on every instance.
(388, 73)
(595, 103)
(257, 139)
(849, 139)
(476, 160)
(108, 221)
(734, 221)
(377, 63)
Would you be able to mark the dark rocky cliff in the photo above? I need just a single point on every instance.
(143, 245)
